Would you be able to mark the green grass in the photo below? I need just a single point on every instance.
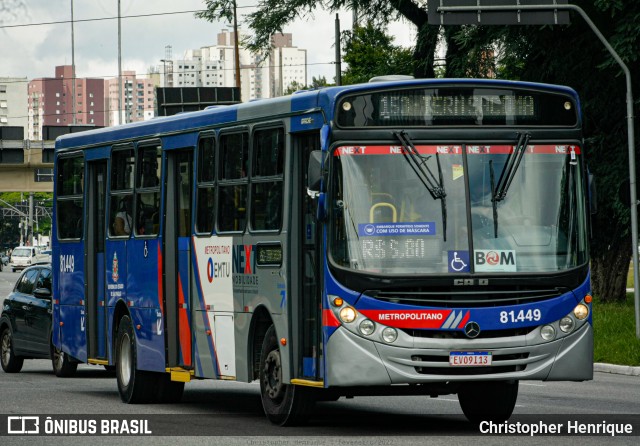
(614, 330)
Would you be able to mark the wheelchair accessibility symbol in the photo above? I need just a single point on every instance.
(459, 261)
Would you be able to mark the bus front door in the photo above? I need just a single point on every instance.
(177, 258)
(306, 237)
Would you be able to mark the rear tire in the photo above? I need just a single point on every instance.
(135, 386)
(9, 361)
(63, 365)
(283, 404)
(488, 401)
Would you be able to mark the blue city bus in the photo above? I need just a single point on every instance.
(413, 237)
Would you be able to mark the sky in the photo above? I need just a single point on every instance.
(33, 51)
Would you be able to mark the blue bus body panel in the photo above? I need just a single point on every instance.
(69, 295)
(142, 281)
(116, 269)
(143, 295)
(150, 337)
(73, 338)
(97, 153)
(180, 141)
(69, 262)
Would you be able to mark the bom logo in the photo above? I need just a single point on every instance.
(494, 260)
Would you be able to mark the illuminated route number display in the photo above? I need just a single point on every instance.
(394, 248)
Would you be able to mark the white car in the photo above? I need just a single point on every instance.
(24, 256)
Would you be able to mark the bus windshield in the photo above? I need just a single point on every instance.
(386, 221)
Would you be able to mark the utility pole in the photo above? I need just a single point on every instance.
(236, 50)
(73, 71)
(338, 55)
(120, 111)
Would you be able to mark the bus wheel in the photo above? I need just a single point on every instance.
(135, 386)
(62, 364)
(168, 391)
(284, 404)
(488, 401)
(10, 362)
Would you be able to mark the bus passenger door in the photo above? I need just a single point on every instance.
(95, 304)
(177, 258)
(307, 243)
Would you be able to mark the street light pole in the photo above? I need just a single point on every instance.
(120, 111)
(73, 71)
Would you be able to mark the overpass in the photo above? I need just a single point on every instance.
(26, 166)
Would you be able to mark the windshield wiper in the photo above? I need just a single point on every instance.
(418, 163)
(499, 192)
(511, 167)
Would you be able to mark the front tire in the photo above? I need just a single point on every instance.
(135, 386)
(283, 404)
(488, 401)
(8, 359)
(63, 365)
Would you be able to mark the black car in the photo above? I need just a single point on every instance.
(25, 324)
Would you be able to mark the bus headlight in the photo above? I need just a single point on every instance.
(389, 335)
(567, 324)
(348, 314)
(367, 327)
(581, 311)
(548, 333)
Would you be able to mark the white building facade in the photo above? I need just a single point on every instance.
(13, 102)
(214, 66)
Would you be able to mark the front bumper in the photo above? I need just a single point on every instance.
(355, 361)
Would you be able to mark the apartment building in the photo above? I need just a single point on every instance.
(50, 101)
(214, 66)
(137, 102)
(13, 104)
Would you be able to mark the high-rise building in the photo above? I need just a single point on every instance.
(137, 102)
(214, 66)
(51, 102)
(13, 109)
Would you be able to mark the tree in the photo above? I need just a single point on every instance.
(315, 83)
(9, 227)
(572, 55)
(272, 15)
(370, 52)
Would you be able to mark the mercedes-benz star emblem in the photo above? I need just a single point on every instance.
(472, 330)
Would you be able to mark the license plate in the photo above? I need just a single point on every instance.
(469, 359)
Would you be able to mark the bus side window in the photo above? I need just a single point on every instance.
(70, 187)
(232, 199)
(121, 209)
(205, 198)
(148, 174)
(267, 180)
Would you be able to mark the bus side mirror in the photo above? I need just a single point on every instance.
(314, 172)
(315, 186)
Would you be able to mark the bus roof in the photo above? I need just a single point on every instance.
(312, 100)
